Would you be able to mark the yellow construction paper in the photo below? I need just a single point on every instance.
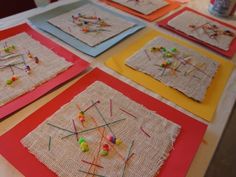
(205, 109)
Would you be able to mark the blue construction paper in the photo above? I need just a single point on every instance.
(41, 22)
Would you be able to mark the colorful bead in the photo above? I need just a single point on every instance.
(82, 119)
(9, 82)
(84, 147)
(163, 49)
(9, 49)
(14, 78)
(81, 140)
(106, 147)
(118, 141)
(36, 60)
(113, 140)
(103, 153)
(173, 50)
(85, 29)
(81, 116)
(29, 55)
(154, 49)
(109, 138)
(168, 55)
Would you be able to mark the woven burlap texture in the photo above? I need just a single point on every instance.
(183, 21)
(64, 157)
(187, 78)
(50, 64)
(65, 23)
(144, 7)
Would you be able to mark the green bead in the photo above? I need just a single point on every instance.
(9, 82)
(173, 49)
(7, 50)
(103, 153)
(163, 49)
(81, 140)
(168, 55)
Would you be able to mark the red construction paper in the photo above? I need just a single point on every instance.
(151, 17)
(78, 66)
(229, 53)
(176, 165)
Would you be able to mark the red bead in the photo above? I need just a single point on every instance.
(105, 147)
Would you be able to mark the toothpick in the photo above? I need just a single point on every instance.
(128, 113)
(145, 51)
(141, 128)
(49, 143)
(91, 106)
(110, 107)
(59, 127)
(77, 138)
(83, 131)
(129, 150)
(129, 158)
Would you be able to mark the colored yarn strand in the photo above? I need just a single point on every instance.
(128, 113)
(91, 163)
(91, 173)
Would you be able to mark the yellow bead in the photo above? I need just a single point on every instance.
(118, 141)
(84, 147)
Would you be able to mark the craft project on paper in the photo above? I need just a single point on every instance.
(175, 66)
(204, 29)
(26, 64)
(91, 24)
(102, 132)
(145, 7)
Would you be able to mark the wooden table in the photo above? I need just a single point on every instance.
(215, 128)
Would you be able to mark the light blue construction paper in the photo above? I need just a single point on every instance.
(40, 21)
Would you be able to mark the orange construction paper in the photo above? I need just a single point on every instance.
(205, 109)
(151, 17)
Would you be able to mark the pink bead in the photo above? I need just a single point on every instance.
(109, 137)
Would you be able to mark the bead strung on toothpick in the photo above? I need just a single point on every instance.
(212, 30)
(27, 69)
(83, 145)
(29, 54)
(105, 150)
(81, 113)
(90, 23)
(113, 139)
(13, 78)
(9, 49)
(165, 64)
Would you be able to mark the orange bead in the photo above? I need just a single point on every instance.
(14, 78)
